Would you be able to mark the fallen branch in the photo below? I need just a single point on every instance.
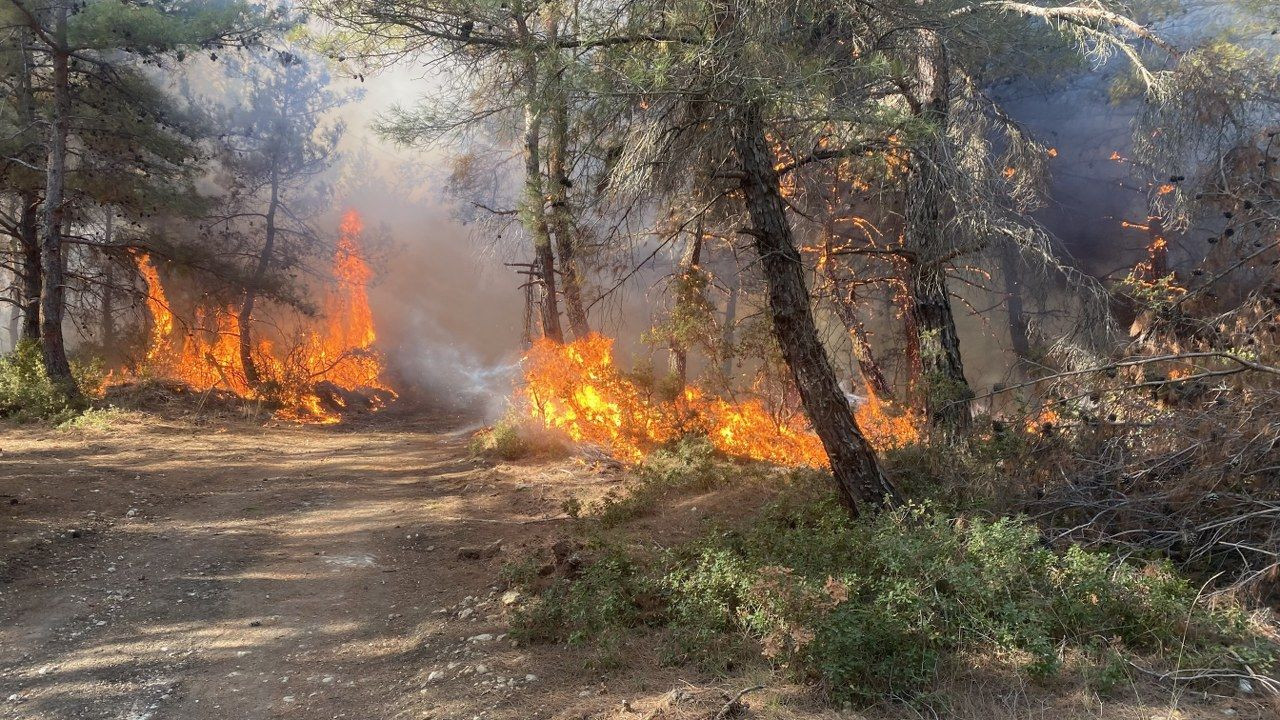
(735, 705)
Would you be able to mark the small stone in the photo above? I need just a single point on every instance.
(482, 637)
(531, 678)
(482, 669)
(435, 675)
(1245, 686)
(510, 597)
(132, 512)
(288, 698)
(465, 613)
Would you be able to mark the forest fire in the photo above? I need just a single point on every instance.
(578, 389)
(315, 374)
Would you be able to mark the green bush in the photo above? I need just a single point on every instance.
(27, 395)
(875, 609)
(503, 441)
(689, 465)
(610, 596)
(511, 438)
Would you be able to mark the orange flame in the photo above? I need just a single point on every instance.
(206, 354)
(578, 389)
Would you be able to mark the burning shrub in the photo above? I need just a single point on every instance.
(315, 373)
(578, 389)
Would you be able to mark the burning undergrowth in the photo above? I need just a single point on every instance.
(314, 372)
(579, 390)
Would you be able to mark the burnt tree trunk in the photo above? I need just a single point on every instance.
(52, 263)
(1019, 334)
(561, 220)
(244, 320)
(859, 479)
(947, 392)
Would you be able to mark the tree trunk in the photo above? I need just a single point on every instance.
(533, 212)
(858, 476)
(560, 218)
(678, 357)
(108, 319)
(29, 224)
(844, 300)
(727, 338)
(871, 371)
(29, 199)
(947, 392)
(1019, 336)
(53, 290)
(244, 321)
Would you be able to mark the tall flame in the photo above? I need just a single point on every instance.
(577, 388)
(206, 354)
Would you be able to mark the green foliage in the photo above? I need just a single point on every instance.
(95, 419)
(503, 441)
(688, 465)
(512, 439)
(27, 395)
(611, 595)
(876, 609)
(148, 30)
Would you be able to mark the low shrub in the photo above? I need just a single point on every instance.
(26, 393)
(689, 465)
(875, 609)
(512, 439)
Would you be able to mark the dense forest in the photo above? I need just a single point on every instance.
(956, 318)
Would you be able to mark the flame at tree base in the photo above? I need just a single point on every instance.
(323, 371)
(577, 389)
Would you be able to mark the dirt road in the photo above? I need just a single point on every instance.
(168, 569)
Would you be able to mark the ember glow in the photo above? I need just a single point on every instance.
(578, 389)
(309, 372)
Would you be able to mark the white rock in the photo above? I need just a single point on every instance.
(466, 613)
(531, 678)
(435, 675)
(482, 637)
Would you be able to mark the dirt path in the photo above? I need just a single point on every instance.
(154, 570)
